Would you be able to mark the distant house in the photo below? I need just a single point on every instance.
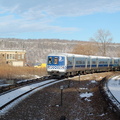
(13, 57)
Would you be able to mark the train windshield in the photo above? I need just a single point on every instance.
(53, 60)
(56, 60)
(49, 60)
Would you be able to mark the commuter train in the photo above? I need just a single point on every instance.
(64, 64)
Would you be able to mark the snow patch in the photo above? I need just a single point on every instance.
(86, 96)
(102, 115)
(93, 81)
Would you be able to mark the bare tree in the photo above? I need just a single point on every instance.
(103, 39)
(85, 49)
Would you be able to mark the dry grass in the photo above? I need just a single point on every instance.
(10, 72)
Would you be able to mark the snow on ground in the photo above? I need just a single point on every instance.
(86, 96)
(93, 81)
(5, 98)
(114, 87)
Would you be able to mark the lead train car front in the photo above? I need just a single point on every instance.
(56, 64)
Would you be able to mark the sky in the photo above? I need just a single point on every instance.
(59, 19)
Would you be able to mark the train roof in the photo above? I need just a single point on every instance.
(77, 55)
(56, 54)
(116, 57)
(103, 57)
(67, 54)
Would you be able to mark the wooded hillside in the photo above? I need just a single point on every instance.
(38, 49)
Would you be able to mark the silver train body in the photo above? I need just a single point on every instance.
(63, 64)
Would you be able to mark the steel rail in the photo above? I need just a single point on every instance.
(25, 93)
(9, 87)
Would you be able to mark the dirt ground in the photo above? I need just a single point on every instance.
(46, 104)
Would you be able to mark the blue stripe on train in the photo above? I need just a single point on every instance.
(80, 66)
(69, 67)
(88, 66)
(94, 66)
(103, 65)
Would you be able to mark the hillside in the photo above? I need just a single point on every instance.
(38, 49)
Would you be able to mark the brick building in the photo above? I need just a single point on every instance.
(13, 57)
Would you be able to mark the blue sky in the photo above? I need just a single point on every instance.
(59, 19)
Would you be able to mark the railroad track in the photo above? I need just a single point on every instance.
(8, 87)
(108, 92)
(11, 98)
(18, 93)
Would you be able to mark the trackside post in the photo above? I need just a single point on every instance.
(61, 88)
(79, 78)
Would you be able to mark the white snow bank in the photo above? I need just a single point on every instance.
(114, 87)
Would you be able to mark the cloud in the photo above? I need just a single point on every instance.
(61, 7)
(11, 25)
(37, 15)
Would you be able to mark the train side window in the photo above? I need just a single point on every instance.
(69, 62)
(50, 60)
(93, 62)
(55, 60)
(77, 62)
(83, 62)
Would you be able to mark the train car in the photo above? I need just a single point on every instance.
(115, 63)
(93, 63)
(64, 64)
(103, 63)
(82, 64)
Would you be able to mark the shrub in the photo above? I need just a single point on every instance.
(10, 72)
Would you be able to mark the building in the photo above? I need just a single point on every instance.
(13, 57)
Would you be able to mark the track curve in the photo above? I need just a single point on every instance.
(110, 88)
(9, 98)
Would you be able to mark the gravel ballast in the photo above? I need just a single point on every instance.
(81, 100)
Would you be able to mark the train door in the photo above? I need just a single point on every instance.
(90, 62)
(86, 62)
(108, 62)
(73, 63)
(97, 62)
(69, 62)
(118, 61)
(112, 62)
